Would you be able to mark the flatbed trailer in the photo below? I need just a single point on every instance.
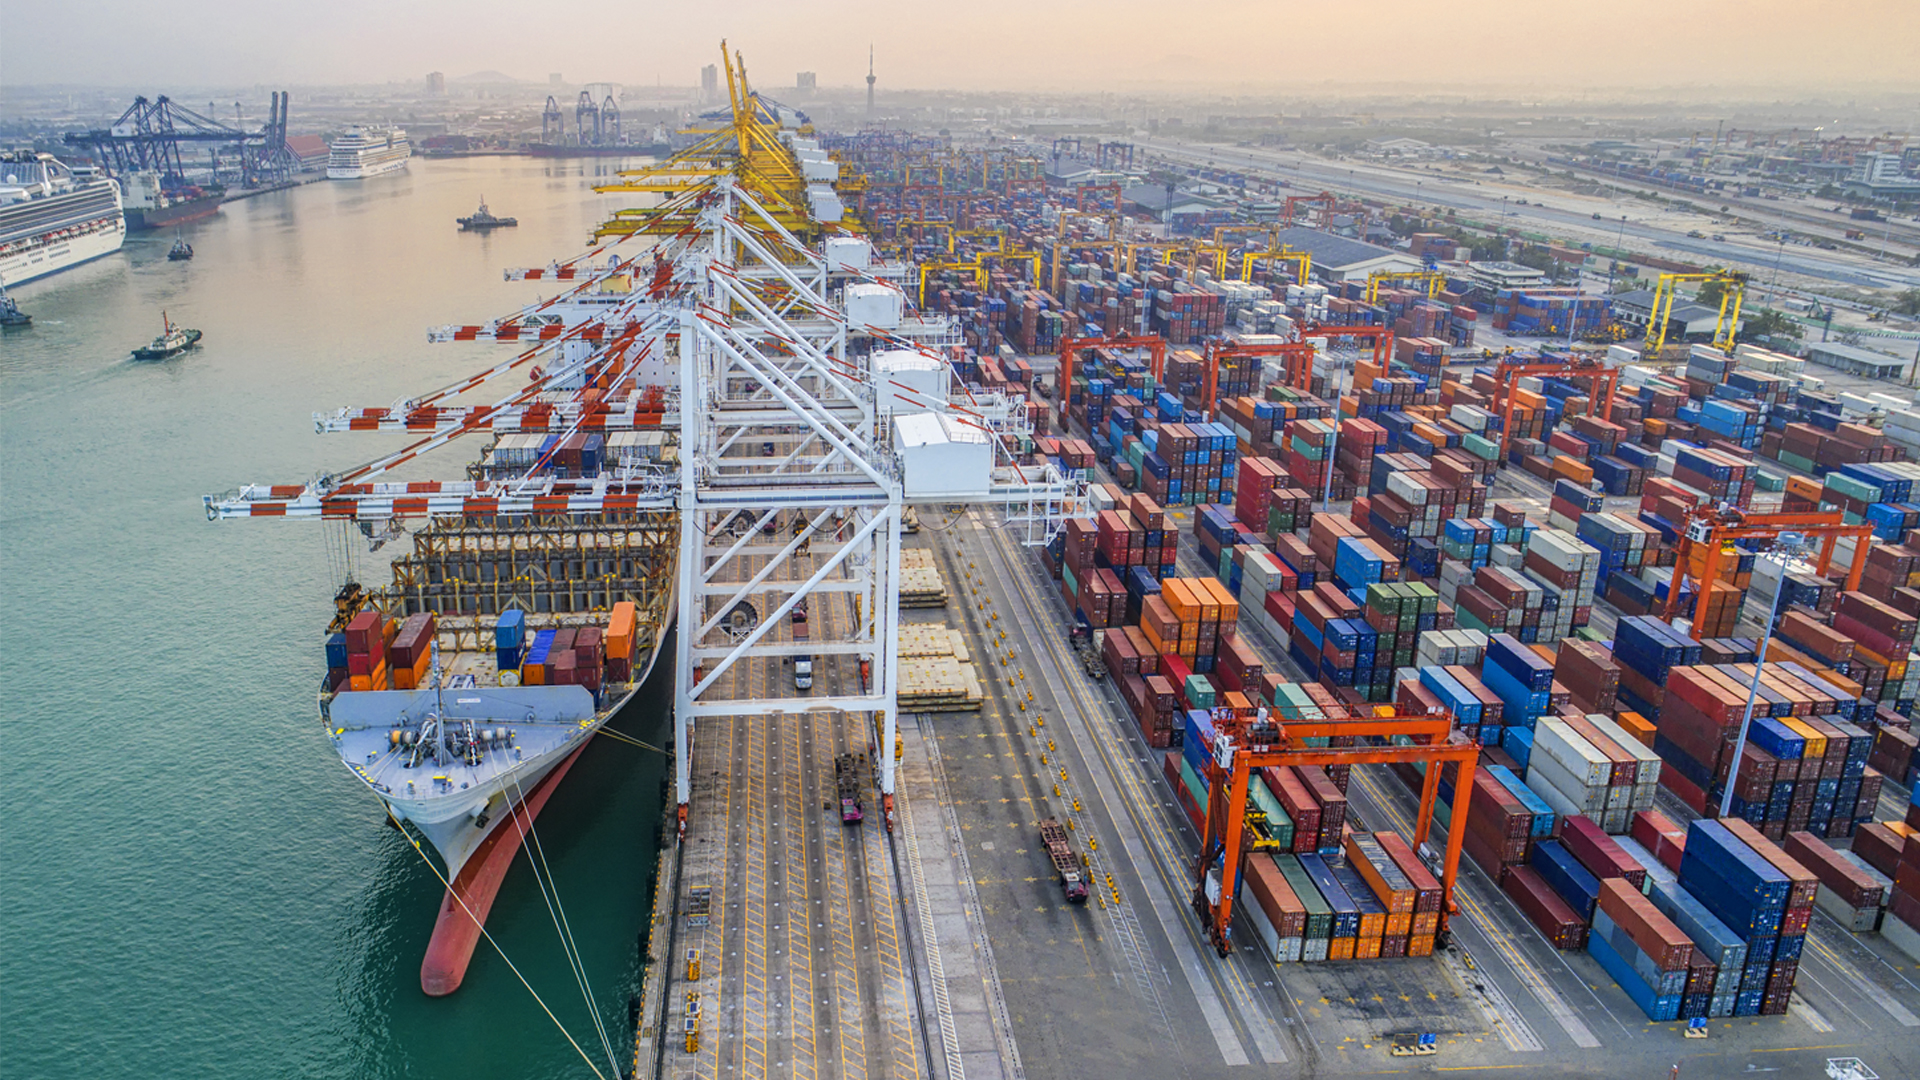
(1073, 878)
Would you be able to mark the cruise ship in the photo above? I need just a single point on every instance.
(367, 152)
(53, 216)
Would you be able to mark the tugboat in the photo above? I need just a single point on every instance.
(10, 313)
(174, 341)
(181, 251)
(482, 219)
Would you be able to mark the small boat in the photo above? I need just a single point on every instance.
(482, 219)
(173, 341)
(181, 251)
(10, 313)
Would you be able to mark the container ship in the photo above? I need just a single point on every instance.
(462, 710)
(532, 607)
(53, 216)
(150, 205)
(363, 153)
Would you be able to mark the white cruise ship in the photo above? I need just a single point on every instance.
(53, 217)
(368, 152)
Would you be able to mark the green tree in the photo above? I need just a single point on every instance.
(1907, 303)
(1769, 324)
(1711, 294)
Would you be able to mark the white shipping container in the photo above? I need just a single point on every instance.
(1647, 770)
(1401, 485)
(1262, 926)
(1560, 743)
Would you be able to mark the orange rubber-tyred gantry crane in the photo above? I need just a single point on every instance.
(1070, 349)
(1508, 375)
(1244, 744)
(1296, 357)
(1710, 532)
(1325, 200)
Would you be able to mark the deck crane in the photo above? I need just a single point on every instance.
(1709, 533)
(1246, 742)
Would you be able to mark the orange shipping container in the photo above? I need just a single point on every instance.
(1573, 470)
(1180, 600)
(1226, 607)
(1638, 726)
(620, 630)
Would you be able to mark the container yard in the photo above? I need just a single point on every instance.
(1581, 566)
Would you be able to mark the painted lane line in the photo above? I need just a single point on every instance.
(1137, 848)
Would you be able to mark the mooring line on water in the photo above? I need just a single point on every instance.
(562, 926)
(511, 966)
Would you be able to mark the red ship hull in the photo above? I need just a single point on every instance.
(455, 932)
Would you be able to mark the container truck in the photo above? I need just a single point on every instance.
(1073, 879)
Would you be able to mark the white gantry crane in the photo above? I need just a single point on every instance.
(811, 409)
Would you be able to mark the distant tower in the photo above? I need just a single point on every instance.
(869, 81)
(436, 84)
(710, 84)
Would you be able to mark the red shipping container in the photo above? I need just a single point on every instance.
(1533, 896)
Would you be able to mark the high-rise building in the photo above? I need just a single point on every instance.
(554, 79)
(805, 82)
(710, 84)
(436, 84)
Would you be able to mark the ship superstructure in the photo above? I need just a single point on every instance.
(53, 216)
(366, 152)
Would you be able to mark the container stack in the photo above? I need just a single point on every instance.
(1763, 895)
(1647, 955)
(362, 654)
(620, 641)
(510, 639)
(1852, 893)
(1589, 765)
(1891, 850)
(1804, 768)
(410, 657)
(1373, 899)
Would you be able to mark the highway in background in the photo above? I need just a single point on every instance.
(1483, 200)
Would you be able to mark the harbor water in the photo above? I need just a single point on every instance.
(190, 883)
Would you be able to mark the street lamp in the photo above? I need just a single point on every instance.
(1787, 548)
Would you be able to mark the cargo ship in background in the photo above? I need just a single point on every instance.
(53, 216)
(151, 205)
(365, 152)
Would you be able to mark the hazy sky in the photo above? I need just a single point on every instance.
(973, 44)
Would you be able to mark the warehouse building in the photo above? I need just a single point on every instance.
(1337, 258)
